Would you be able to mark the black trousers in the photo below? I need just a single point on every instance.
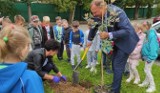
(68, 51)
(119, 60)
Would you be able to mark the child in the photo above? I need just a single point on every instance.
(14, 76)
(58, 36)
(40, 60)
(19, 20)
(149, 55)
(47, 28)
(93, 50)
(67, 30)
(76, 41)
(134, 57)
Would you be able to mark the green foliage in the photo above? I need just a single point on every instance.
(95, 79)
(7, 8)
(158, 9)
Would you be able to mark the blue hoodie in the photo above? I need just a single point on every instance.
(15, 78)
(150, 46)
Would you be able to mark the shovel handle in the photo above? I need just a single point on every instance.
(85, 52)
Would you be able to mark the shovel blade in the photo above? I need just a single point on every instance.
(75, 77)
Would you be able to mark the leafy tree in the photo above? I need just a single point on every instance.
(137, 4)
(7, 7)
(70, 6)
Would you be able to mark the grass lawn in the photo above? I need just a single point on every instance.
(95, 79)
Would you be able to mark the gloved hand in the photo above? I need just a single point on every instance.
(56, 79)
(63, 78)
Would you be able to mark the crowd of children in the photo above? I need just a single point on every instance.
(48, 40)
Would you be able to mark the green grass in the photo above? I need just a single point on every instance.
(95, 79)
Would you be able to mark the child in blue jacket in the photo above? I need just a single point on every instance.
(75, 42)
(14, 75)
(149, 55)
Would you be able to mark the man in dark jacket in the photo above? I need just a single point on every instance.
(67, 30)
(123, 35)
(40, 60)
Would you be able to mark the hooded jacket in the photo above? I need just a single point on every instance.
(15, 78)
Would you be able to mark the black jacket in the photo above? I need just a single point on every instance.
(36, 59)
(66, 34)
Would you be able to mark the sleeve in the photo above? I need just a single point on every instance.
(123, 26)
(37, 65)
(54, 32)
(92, 33)
(70, 40)
(85, 39)
(32, 82)
(98, 42)
(82, 36)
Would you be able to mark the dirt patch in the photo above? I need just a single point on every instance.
(100, 89)
(68, 87)
(86, 84)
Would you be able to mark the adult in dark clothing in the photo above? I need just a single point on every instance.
(67, 30)
(123, 35)
(47, 28)
(40, 60)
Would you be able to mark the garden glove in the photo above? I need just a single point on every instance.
(56, 79)
(63, 78)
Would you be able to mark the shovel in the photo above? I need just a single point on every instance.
(75, 74)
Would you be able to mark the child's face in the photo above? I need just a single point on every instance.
(65, 25)
(59, 22)
(75, 29)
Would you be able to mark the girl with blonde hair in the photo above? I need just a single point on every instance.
(14, 75)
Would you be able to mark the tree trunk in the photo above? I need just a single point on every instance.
(29, 11)
(72, 14)
(136, 12)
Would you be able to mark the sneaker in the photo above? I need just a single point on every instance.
(97, 62)
(93, 69)
(128, 80)
(151, 89)
(143, 85)
(88, 66)
(136, 81)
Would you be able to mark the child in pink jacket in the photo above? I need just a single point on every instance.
(136, 55)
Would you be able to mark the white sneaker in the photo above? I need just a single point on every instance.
(136, 81)
(88, 66)
(93, 69)
(151, 89)
(128, 80)
(97, 62)
(143, 85)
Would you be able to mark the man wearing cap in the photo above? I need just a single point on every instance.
(36, 33)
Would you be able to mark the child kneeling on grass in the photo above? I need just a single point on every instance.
(40, 60)
(149, 55)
